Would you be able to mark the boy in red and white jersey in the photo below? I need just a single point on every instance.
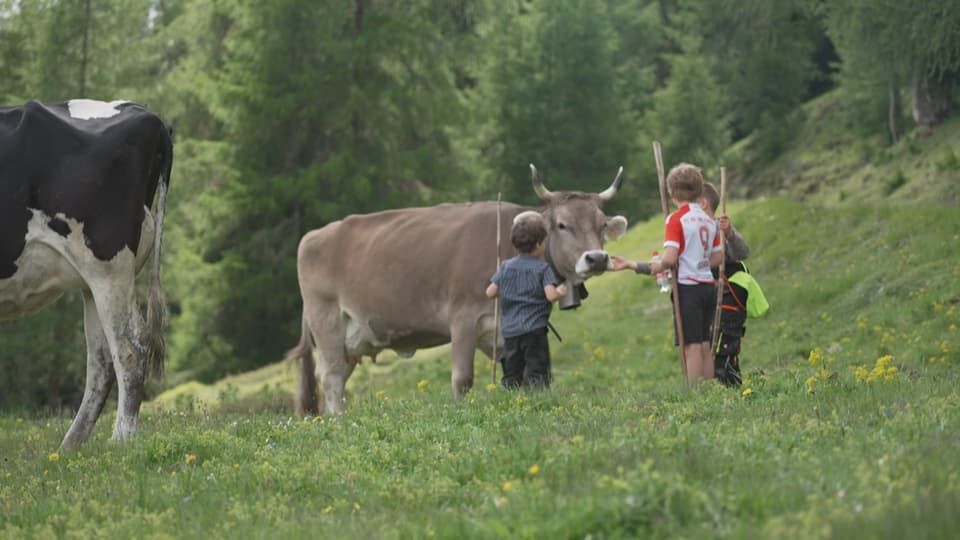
(691, 241)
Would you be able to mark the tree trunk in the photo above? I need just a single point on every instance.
(893, 112)
(931, 101)
(84, 53)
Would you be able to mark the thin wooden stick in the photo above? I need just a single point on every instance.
(496, 301)
(664, 202)
(721, 271)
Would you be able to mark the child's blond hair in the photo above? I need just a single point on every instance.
(685, 183)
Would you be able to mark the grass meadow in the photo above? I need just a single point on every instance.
(847, 425)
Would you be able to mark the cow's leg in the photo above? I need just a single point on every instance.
(485, 332)
(99, 377)
(328, 336)
(122, 325)
(352, 362)
(463, 340)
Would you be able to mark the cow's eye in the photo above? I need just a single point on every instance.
(562, 226)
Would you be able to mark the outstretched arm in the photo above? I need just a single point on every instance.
(622, 263)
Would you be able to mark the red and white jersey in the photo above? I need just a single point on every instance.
(694, 234)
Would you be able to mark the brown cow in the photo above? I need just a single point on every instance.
(414, 278)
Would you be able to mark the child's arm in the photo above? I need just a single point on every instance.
(622, 263)
(667, 260)
(492, 290)
(555, 292)
(715, 258)
(737, 247)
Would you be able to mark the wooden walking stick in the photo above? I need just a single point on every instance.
(664, 202)
(721, 271)
(496, 301)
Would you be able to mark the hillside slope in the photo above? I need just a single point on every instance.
(868, 280)
(827, 162)
(876, 223)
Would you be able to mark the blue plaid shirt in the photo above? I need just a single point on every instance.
(523, 305)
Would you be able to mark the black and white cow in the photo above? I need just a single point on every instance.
(77, 181)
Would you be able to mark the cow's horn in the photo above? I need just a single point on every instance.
(542, 192)
(608, 193)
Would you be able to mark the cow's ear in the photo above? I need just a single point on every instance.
(616, 227)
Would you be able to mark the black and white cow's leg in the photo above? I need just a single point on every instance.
(328, 335)
(122, 325)
(99, 377)
(463, 340)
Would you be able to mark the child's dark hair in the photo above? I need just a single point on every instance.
(711, 195)
(528, 230)
(685, 182)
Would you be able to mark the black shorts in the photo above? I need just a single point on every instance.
(697, 306)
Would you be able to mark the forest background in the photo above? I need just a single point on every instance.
(291, 114)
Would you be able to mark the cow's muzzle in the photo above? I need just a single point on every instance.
(592, 263)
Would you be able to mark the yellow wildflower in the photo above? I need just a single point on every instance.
(191, 459)
(327, 509)
(380, 394)
(815, 356)
(890, 374)
(747, 391)
(861, 373)
(507, 486)
(491, 387)
(422, 384)
(356, 505)
(53, 457)
(534, 469)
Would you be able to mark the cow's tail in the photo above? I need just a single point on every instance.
(306, 401)
(157, 304)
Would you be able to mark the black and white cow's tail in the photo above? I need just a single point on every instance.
(307, 401)
(157, 303)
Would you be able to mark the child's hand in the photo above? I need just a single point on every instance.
(724, 223)
(621, 263)
(562, 289)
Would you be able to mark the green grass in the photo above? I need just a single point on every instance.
(846, 426)
(619, 448)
